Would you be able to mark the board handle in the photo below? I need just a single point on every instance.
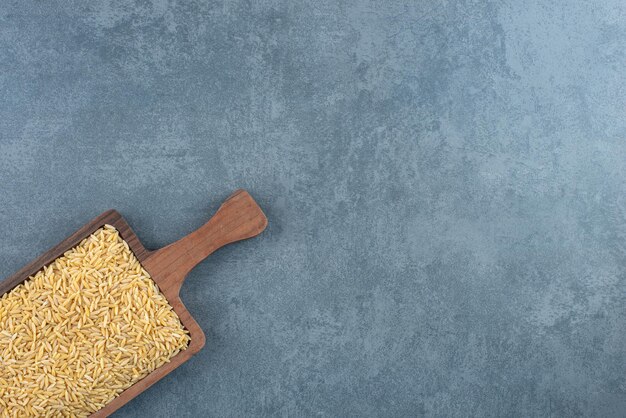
(239, 218)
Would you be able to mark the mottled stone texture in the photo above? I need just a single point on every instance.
(445, 182)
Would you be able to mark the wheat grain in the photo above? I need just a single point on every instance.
(82, 330)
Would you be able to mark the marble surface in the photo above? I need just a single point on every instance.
(445, 183)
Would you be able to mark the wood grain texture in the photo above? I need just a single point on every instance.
(237, 219)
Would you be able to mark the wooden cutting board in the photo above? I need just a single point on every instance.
(238, 218)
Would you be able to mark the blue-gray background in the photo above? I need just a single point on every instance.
(445, 183)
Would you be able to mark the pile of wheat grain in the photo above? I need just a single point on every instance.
(81, 331)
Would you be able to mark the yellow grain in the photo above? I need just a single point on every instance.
(82, 330)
